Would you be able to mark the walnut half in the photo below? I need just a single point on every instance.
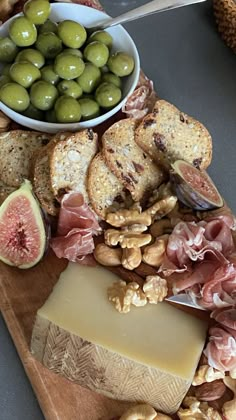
(155, 289)
(124, 295)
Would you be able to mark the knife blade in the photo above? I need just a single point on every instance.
(184, 299)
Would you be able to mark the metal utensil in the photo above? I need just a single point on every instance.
(145, 10)
(184, 299)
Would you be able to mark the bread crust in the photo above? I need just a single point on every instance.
(17, 150)
(167, 134)
(103, 186)
(130, 164)
(69, 163)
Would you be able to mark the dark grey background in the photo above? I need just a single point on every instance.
(190, 65)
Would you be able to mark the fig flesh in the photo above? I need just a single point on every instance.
(23, 236)
(193, 187)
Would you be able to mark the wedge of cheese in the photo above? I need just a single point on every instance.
(149, 354)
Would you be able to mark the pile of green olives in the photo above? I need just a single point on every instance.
(57, 72)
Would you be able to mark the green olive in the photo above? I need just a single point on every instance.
(97, 53)
(33, 56)
(108, 95)
(73, 51)
(6, 69)
(68, 66)
(49, 44)
(24, 73)
(67, 110)
(51, 116)
(37, 11)
(121, 64)
(48, 74)
(90, 78)
(112, 78)
(48, 26)
(72, 34)
(33, 113)
(101, 36)
(4, 80)
(8, 50)
(43, 95)
(22, 32)
(70, 88)
(89, 108)
(15, 97)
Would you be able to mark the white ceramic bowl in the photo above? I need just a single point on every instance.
(122, 41)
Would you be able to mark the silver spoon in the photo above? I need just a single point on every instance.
(154, 6)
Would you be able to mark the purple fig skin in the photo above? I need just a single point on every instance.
(32, 236)
(47, 227)
(190, 197)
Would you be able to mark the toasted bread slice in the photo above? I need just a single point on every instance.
(41, 176)
(134, 168)
(168, 134)
(16, 150)
(103, 187)
(69, 162)
(5, 191)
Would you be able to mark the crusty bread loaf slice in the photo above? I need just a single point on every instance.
(69, 162)
(128, 162)
(5, 191)
(103, 187)
(16, 150)
(168, 134)
(41, 176)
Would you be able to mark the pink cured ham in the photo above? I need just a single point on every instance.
(142, 100)
(75, 213)
(191, 242)
(77, 225)
(225, 317)
(220, 230)
(221, 349)
(206, 251)
(219, 290)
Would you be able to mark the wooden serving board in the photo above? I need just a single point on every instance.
(22, 293)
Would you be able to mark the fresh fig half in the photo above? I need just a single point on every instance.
(22, 231)
(193, 187)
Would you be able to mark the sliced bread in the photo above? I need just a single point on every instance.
(133, 167)
(5, 191)
(41, 176)
(69, 162)
(168, 134)
(103, 187)
(16, 151)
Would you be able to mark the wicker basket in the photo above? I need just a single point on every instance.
(225, 14)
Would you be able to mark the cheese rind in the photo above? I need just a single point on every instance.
(149, 354)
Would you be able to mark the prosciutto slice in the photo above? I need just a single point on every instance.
(142, 100)
(225, 317)
(77, 225)
(221, 349)
(206, 251)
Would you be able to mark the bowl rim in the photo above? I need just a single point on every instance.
(94, 121)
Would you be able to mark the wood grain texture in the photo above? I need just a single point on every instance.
(104, 371)
(22, 293)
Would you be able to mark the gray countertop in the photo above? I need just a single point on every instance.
(191, 67)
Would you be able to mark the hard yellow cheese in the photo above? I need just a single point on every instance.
(149, 354)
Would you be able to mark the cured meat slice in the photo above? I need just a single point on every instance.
(76, 226)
